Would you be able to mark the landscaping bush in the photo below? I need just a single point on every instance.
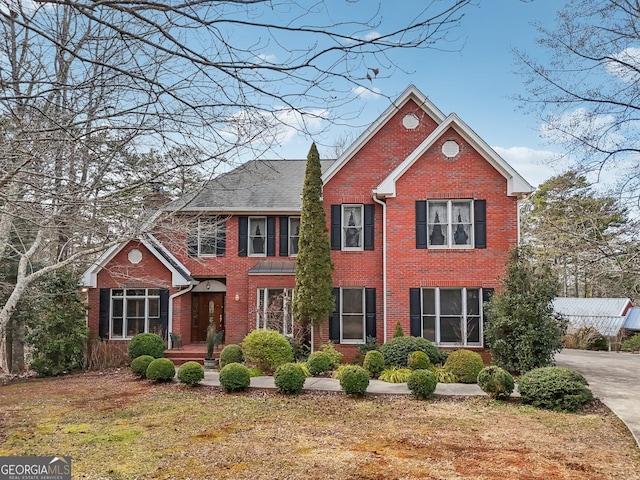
(465, 365)
(255, 372)
(397, 331)
(190, 373)
(231, 353)
(146, 344)
(444, 375)
(319, 362)
(495, 382)
(422, 383)
(337, 373)
(374, 363)
(554, 388)
(631, 344)
(161, 370)
(334, 355)
(140, 364)
(370, 344)
(396, 351)
(418, 361)
(586, 338)
(267, 349)
(289, 378)
(395, 375)
(354, 380)
(234, 377)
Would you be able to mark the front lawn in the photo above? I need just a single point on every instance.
(117, 427)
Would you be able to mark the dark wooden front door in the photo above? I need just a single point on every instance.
(206, 308)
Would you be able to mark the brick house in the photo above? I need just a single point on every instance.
(421, 213)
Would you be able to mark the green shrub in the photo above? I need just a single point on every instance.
(234, 377)
(190, 373)
(267, 349)
(495, 382)
(631, 344)
(465, 365)
(337, 373)
(319, 362)
(395, 375)
(161, 370)
(422, 383)
(231, 353)
(305, 369)
(444, 375)
(396, 351)
(289, 378)
(334, 355)
(255, 372)
(397, 331)
(554, 388)
(354, 380)
(374, 363)
(146, 344)
(140, 364)
(418, 361)
(370, 344)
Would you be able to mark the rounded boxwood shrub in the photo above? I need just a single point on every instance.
(396, 351)
(319, 362)
(418, 361)
(465, 365)
(140, 364)
(267, 349)
(161, 370)
(334, 355)
(234, 377)
(495, 382)
(289, 378)
(190, 373)
(146, 344)
(374, 363)
(422, 383)
(354, 380)
(555, 388)
(231, 353)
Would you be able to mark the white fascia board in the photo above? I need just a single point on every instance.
(177, 279)
(90, 276)
(411, 92)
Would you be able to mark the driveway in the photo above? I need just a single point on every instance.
(614, 378)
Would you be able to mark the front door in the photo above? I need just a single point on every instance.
(206, 308)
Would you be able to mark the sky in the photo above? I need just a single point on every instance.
(478, 83)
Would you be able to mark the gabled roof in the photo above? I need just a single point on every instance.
(516, 185)
(632, 320)
(606, 315)
(268, 186)
(180, 275)
(411, 93)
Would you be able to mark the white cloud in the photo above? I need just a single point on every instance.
(367, 93)
(625, 65)
(534, 165)
(372, 36)
(268, 58)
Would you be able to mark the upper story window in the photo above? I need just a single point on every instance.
(294, 235)
(208, 237)
(257, 236)
(352, 227)
(451, 224)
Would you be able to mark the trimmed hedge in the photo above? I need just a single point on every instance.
(374, 363)
(354, 380)
(234, 377)
(422, 383)
(231, 353)
(418, 361)
(267, 349)
(146, 344)
(495, 382)
(465, 365)
(555, 388)
(191, 373)
(161, 370)
(396, 351)
(140, 364)
(319, 362)
(289, 378)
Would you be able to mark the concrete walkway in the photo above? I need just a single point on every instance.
(614, 378)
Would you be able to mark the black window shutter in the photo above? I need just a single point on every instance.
(164, 311)
(480, 225)
(415, 313)
(368, 226)
(421, 224)
(104, 309)
(336, 227)
(370, 309)
(221, 238)
(487, 293)
(284, 236)
(243, 235)
(334, 319)
(271, 236)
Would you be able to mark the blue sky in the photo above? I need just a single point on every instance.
(477, 83)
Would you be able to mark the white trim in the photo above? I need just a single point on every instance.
(384, 266)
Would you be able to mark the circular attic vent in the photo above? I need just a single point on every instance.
(450, 149)
(135, 256)
(410, 121)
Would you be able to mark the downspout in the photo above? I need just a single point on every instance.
(384, 262)
(171, 297)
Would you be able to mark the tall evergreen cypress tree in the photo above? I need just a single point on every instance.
(313, 300)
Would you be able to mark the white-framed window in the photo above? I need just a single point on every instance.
(273, 310)
(352, 315)
(208, 237)
(352, 223)
(257, 236)
(452, 316)
(294, 235)
(133, 311)
(450, 223)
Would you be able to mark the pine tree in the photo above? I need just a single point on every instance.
(313, 300)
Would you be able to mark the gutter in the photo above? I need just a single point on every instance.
(384, 262)
(170, 326)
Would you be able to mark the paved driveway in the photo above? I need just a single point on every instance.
(614, 378)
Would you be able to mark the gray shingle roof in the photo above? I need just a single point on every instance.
(255, 186)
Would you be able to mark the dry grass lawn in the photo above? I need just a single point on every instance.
(117, 427)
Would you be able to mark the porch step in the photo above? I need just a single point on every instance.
(189, 353)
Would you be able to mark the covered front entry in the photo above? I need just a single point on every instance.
(206, 308)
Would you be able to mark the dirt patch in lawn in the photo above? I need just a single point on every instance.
(115, 426)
